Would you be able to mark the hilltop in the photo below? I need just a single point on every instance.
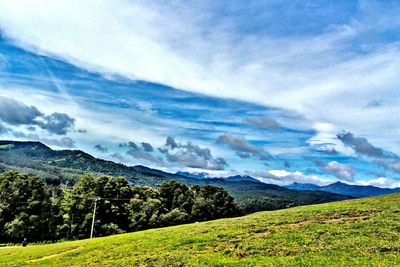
(361, 232)
(65, 166)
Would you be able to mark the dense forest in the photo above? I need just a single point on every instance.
(32, 209)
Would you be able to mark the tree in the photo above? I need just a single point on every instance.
(77, 208)
(175, 217)
(113, 204)
(146, 208)
(213, 202)
(30, 208)
(175, 195)
(24, 207)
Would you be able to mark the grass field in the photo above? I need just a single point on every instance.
(362, 232)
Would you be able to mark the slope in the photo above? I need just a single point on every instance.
(360, 232)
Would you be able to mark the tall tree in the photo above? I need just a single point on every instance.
(113, 205)
(24, 207)
(77, 207)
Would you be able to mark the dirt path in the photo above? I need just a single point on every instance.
(54, 255)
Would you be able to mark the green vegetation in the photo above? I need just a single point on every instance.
(30, 209)
(65, 167)
(6, 147)
(362, 232)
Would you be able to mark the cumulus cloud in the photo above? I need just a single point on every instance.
(382, 182)
(190, 155)
(341, 171)
(242, 147)
(16, 113)
(139, 152)
(147, 147)
(57, 123)
(171, 143)
(283, 177)
(101, 148)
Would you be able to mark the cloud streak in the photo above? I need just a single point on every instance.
(361, 146)
(242, 147)
(283, 177)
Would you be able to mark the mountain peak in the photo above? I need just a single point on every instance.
(338, 183)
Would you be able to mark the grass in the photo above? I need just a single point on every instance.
(6, 147)
(360, 232)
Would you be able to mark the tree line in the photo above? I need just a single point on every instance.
(31, 209)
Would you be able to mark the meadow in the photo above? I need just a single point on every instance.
(360, 232)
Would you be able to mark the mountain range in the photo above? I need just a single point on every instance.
(345, 189)
(65, 166)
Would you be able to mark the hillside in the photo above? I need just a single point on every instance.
(65, 166)
(346, 189)
(360, 232)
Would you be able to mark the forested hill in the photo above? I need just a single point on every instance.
(65, 166)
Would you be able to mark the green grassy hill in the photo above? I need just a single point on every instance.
(360, 232)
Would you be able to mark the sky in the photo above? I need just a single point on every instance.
(284, 91)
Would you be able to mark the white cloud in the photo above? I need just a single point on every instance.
(319, 75)
(340, 171)
(100, 124)
(380, 182)
(283, 177)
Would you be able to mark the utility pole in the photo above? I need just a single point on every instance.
(94, 215)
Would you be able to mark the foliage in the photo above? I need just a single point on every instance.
(26, 208)
(30, 209)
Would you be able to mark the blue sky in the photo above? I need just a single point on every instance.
(302, 91)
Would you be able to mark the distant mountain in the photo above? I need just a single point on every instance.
(65, 166)
(346, 189)
(237, 178)
(203, 175)
(299, 186)
(195, 175)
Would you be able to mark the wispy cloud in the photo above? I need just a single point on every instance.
(362, 146)
(257, 75)
(242, 147)
(283, 177)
